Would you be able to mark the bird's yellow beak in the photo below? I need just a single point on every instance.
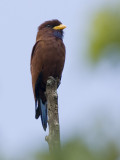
(61, 26)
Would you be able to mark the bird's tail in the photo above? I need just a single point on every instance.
(41, 109)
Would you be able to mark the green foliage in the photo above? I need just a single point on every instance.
(105, 34)
(77, 150)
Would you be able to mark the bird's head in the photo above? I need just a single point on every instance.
(50, 29)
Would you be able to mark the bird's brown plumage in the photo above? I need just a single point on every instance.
(47, 58)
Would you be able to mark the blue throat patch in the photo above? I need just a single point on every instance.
(58, 34)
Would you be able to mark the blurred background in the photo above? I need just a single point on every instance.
(89, 94)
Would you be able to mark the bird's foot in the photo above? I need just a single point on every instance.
(58, 82)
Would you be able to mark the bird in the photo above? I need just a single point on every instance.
(47, 59)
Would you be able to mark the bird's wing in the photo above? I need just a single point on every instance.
(36, 62)
(33, 50)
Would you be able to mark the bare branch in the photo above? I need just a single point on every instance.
(53, 138)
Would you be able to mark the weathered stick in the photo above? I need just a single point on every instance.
(53, 138)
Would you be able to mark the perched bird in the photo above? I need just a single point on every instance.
(47, 59)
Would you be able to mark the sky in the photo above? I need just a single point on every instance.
(87, 97)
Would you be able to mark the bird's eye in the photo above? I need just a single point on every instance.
(49, 26)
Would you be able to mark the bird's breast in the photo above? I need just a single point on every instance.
(53, 59)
